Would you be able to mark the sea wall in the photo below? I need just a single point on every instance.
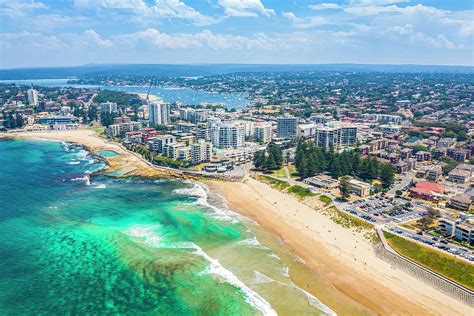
(445, 285)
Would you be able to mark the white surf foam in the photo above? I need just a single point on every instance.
(85, 178)
(317, 303)
(100, 186)
(149, 237)
(285, 271)
(146, 233)
(252, 242)
(252, 297)
(274, 255)
(73, 162)
(262, 278)
(202, 193)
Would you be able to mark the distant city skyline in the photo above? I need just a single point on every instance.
(51, 33)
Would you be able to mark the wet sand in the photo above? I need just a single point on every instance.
(354, 280)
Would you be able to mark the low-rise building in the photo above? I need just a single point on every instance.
(465, 232)
(458, 154)
(459, 175)
(461, 202)
(322, 181)
(359, 188)
(427, 191)
(447, 225)
(173, 150)
(423, 156)
(434, 173)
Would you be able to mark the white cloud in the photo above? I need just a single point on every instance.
(292, 17)
(245, 8)
(159, 10)
(89, 38)
(14, 8)
(133, 5)
(377, 10)
(305, 23)
(325, 6)
(206, 38)
(375, 2)
(92, 36)
(407, 31)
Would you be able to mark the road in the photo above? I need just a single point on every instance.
(406, 180)
(88, 104)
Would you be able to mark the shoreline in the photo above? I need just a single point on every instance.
(93, 143)
(151, 97)
(345, 284)
(344, 258)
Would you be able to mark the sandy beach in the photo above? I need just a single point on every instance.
(352, 279)
(153, 98)
(343, 257)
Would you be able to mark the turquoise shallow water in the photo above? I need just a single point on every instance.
(75, 244)
(108, 153)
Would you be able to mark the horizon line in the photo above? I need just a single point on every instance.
(237, 64)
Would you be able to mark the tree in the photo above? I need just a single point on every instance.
(19, 121)
(433, 213)
(259, 159)
(275, 151)
(270, 162)
(344, 188)
(107, 119)
(335, 168)
(418, 148)
(425, 222)
(398, 192)
(387, 175)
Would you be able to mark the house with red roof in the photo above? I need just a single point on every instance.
(427, 191)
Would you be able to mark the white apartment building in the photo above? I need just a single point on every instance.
(201, 152)
(336, 136)
(387, 118)
(113, 130)
(263, 133)
(249, 128)
(32, 96)
(158, 113)
(307, 131)
(193, 115)
(108, 107)
(226, 134)
(178, 151)
(160, 142)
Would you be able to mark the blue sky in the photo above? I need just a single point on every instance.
(76, 32)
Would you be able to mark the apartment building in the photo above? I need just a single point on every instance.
(337, 137)
(287, 127)
(201, 152)
(158, 113)
(263, 133)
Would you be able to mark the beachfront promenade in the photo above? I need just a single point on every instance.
(434, 279)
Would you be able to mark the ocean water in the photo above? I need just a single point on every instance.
(186, 96)
(77, 243)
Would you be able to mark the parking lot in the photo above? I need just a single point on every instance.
(436, 242)
(384, 209)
